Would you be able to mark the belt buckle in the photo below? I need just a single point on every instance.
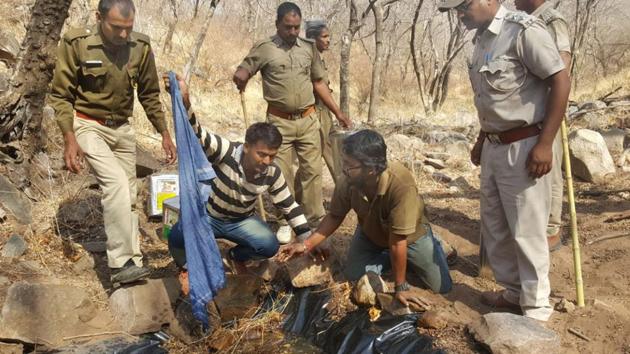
(295, 116)
(494, 138)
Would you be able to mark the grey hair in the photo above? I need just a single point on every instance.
(314, 28)
(126, 7)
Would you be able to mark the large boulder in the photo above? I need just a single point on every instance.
(45, 314)
(142, 308)
(403, 147)
(590, 159)
(507, 333)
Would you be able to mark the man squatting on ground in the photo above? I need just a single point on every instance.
(521, 88)
(291, 71)
(92, 94)
(559, 31)
(243, 171)
(393, 232)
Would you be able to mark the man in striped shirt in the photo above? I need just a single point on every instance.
(243, 171)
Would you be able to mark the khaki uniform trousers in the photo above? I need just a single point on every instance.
(557, 187)
(111, 154)
(514, 216)
(326, 128)
(301, 137)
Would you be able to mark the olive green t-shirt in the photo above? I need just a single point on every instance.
(100, 83)
(396, 209)
(288, 71)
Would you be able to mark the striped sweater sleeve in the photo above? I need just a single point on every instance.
(214, 146)
(283, 200)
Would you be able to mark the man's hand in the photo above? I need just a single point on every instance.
(407, 298)
(169, 148)
(72, 153)
(183, 88)
(539, 161)
(292, 250)
(344, 120)
(475, 153)
(240, 78)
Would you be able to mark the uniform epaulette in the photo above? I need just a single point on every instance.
(312, 41)
(551, 15)
(75, 33)
(521, 18)
(141, 37)
(263, 41)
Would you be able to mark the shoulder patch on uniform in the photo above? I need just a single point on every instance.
(551, 15)
(75, 33)
(521, 18)
(141, 37)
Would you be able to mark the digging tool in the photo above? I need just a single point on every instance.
(261, 205)
(577, 261)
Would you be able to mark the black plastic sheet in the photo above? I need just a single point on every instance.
(355, 333)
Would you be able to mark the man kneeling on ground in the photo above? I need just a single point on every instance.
(244, 171)
(393, 231)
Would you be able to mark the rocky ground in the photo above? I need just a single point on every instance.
(55, 290)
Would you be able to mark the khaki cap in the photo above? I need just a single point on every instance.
(446, 5)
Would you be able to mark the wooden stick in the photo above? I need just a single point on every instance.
(261, 205)
(608, 237)
(579, 334)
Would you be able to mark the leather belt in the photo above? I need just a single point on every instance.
(292, 116)
(110, 123)
(516, 134)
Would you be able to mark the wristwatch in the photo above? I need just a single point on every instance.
(402, 287)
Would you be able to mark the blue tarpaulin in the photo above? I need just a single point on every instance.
(205, 267)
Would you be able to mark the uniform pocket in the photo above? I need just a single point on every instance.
(503, 75)
(94, 79)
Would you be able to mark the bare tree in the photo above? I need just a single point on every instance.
(201, 37)
(584, 10)
(21, 106)
(173, 6)
(431, 68)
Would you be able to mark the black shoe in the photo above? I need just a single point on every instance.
(451, 258)
(129, 273)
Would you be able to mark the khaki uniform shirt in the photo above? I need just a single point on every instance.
(287, 71)
(556, 25)
(510, 62)
(396, 209)
(320, 104)
(100, 83)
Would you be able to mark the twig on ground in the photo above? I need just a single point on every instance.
(608, 237)
(98, 335)
(579, 334)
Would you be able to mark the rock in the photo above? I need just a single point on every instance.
(239, 299)
(590, 159)
(185, 326)
(599, 304)
(14, 247)
(4, 281)
(461, 182)
(437, 155)
(304, 272)
(428, 169)
(389, 304)
(364, 292)
(593, 121)
(565, 306)
(44, 314)
(614, 139)
(592, 105)
(146, 164)
(4, 83)
(622, 103)
(402, 147)
(3, 214)
(95, 246)
(14, 201)
(9, 47)
(84, 264)
(441, 136)
(433, 319)
(266, 269)
(438, 164)
(142, 308)
(30, 267)
(11, 348)
(506, 333)
(458, 149)
(441, 177)
(571, 110)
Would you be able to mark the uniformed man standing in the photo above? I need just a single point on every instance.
(559, 30)
(292, 70)
(92, 93)
(521, 89)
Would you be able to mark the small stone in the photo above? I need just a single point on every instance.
(565, 306)
(602, 305)
(3, 214)
(614, 139)
(437, 155)
(30, 267)
(507, 333)
(14, 201)
(364, 292)
(4, 281)
(84, 264)
(391, 305)
(433, 319)
(14, 247)
(592, 105)
(428, 169)
(266, 269)
(438, 164)
(11, 348)
(305, 272)
(442, 177)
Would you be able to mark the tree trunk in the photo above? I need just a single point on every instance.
(414, 55)
(201, 37)
(375, 93)
(21, 106)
